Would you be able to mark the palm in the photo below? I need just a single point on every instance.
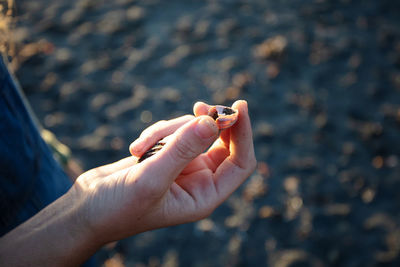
(167, 189)
(195, 188)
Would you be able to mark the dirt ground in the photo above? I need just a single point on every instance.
(322, 79)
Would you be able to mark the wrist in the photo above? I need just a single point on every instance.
(57, 235)
(80, 219)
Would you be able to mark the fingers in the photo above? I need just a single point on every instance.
(156, 132)
(231, 159)
(216, 155)
(185, 145)
(241, 146)
(200, 108)
(241, 162)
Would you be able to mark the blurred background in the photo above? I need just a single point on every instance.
(322, 79)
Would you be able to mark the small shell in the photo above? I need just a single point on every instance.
(224, 116)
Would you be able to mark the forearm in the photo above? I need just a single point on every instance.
(56, 236)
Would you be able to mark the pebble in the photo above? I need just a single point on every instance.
(272, 48)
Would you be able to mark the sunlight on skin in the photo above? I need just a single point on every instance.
(180, 183)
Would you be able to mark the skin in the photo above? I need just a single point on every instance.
(179, 184)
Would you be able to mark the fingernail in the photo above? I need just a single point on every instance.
(206, 128)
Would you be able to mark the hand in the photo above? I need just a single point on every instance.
(178, 184)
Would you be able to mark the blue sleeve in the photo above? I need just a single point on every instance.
(30, 178)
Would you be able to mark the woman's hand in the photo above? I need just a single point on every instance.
(181, 183)
(178, 184)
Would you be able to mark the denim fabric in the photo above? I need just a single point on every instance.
(30, 178)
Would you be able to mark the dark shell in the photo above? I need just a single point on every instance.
(152, 151)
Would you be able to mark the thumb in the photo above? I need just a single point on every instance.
(185, 144)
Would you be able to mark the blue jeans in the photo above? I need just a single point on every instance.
(30, 178)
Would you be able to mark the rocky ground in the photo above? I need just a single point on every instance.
(322, 79)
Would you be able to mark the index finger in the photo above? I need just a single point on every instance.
(200, 108)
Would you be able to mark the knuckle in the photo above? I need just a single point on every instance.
(150, 139)
(153, 192)
(206, 208)
(206, 212)
(253, 163)
(188, 117)
(184, 149)
(153, 128)
(149, 189)
(146, 132)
